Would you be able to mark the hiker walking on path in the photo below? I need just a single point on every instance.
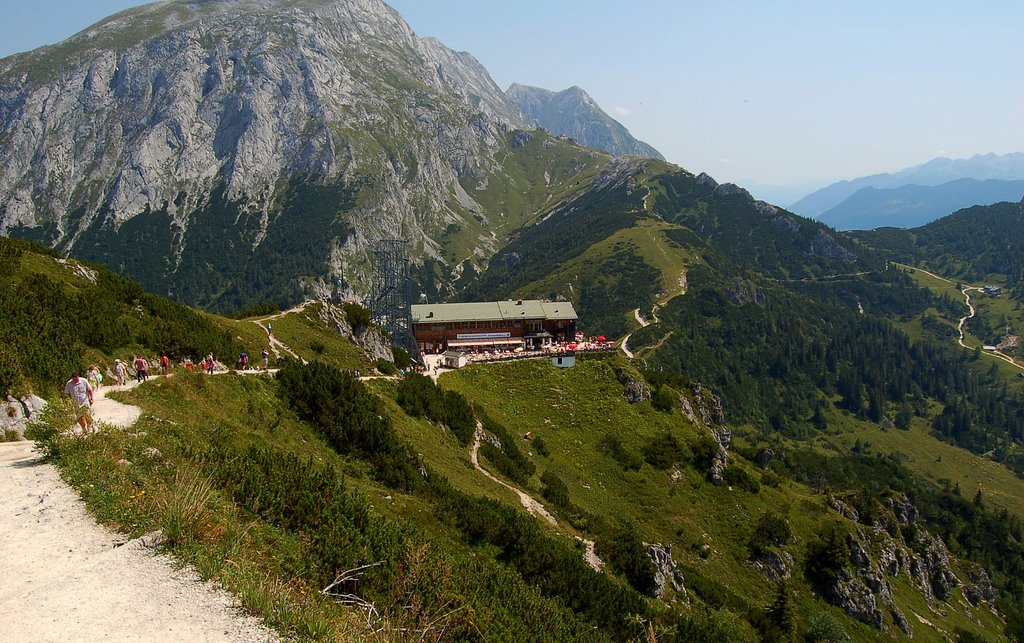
(141, 369)
(94, 378)
(165, 363)
(209, 364)
(266, 359)
(78, 388)
(119, 372)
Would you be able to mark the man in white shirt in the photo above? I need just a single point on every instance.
(78, 388)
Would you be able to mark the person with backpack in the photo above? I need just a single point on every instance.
(266, 359)
(165, 364)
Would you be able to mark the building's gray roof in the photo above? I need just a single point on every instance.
(492, 311)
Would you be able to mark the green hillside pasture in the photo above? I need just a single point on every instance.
(440, 450)
(541, 173)
(310, 338)
(169, 471)
(646, 239)
(572, 410)
(933, 459)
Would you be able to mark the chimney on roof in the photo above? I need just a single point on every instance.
(519, 303)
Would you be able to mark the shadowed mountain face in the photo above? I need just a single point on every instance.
(573, 113)
(981, 167)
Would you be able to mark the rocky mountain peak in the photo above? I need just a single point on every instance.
(572, 112)
(192, 106)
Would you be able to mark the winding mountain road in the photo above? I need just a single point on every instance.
(965, 291)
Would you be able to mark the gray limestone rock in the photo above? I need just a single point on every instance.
(764, 459)
(979, 588)
(17, 413)
(665, 569)
(776, 565)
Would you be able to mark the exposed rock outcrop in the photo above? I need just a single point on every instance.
(665, 569)
(370, 339)
(764, 459)
(777, 565)
(635, 389)
(572, 112)
(742, 292)
(979, 588)
(826, 245)
(17, 413)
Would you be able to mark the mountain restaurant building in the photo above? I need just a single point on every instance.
(493, 325)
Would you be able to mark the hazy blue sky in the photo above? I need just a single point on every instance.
(750, 92)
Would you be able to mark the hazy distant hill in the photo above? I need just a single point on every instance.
(1009, 167)
(910, 206)
(572, 112)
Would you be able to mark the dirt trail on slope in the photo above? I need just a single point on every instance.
(531, 504)
(64, 577)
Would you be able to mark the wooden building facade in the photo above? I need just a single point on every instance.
(496, 325)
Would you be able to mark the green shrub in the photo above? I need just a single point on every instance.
(257, 310)
(509, 459)
(663, 399)
(358, 317)
(741, 478)
(419, 396)
(351, 417)
(612, 445)
(770, 530)
(317, 346)
(823, 627)
(541, 446)
(401, 357)
(386, 367)
(625, 552)
(663, 451)
(555, 490)
(826, 557)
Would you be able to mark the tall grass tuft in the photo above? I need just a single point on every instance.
(183, 511)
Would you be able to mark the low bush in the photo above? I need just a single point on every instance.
(662, 451)
(742, 479)
(351, 417)
(612, 445)
(419, 396)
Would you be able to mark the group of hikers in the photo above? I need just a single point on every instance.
(81, 389)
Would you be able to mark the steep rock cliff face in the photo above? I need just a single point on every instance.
(166, 125)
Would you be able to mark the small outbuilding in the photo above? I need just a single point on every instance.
(454, 359)
(564, 361)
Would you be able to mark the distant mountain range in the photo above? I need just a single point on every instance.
(981, 168)
(572, 112)
(910, 206)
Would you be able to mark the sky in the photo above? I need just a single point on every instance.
(780, 97)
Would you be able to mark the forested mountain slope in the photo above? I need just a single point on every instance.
(333, 474)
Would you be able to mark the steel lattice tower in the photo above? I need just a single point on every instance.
(391, 303)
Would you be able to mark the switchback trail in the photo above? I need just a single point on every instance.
(532, 505)
(63, 577)
(965, 291)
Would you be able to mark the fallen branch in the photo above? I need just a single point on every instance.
(348, 598)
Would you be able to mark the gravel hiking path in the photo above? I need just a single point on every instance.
(64, 578)
(528, 501)
(532, 504)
